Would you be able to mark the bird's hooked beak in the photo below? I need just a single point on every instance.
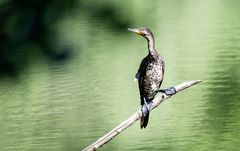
(135, 30)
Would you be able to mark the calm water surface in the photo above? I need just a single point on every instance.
(67, 106)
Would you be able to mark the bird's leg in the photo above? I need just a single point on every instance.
(169, 91)
(146, 107)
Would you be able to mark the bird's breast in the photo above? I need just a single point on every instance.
(154, 71)
(153, 78)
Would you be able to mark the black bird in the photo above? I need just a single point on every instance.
(150, 75)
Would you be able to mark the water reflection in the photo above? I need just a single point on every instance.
(32, 26)
(223, 105)
(67, 102)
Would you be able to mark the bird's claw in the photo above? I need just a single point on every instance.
(170, 91)
(146, 107)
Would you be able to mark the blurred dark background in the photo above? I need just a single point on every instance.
(29, 25)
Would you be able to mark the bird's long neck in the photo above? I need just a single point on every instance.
(151, 45)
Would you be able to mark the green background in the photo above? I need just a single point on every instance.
(67, 70)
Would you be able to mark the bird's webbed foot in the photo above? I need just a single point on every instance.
(146, 107)
(170, 91)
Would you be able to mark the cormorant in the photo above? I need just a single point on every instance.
(150, 75)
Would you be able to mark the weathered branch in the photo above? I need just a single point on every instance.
(136, 116)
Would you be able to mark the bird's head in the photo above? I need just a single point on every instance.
(143, 31)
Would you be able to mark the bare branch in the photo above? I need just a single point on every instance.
(136, 116)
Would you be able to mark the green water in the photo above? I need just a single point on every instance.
(68, 105)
